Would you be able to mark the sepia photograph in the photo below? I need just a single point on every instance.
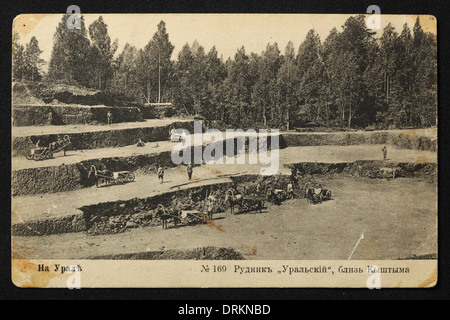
(224, 150)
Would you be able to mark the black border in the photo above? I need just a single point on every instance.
(437, 8)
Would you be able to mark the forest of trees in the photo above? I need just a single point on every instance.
(351, 79)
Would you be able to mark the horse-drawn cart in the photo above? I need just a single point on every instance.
(42, 153)
(186, 217)
(252, 203)
(276, 196)
(106, 177)
(192, 217)
(317, 195)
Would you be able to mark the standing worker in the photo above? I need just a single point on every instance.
(161, 174)
(384, 153)
(210, 206)
(190, 169)
(258, 188)
(109, 117)
(176, 210)
(294, 178)
(140, 143)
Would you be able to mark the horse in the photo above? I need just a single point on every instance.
(326, 194)
(274, 197)
(314, 195)
(100, 174)
(60, 143)
(165, 216)
(290, 190)
(161, 213)
(234, 199)
(210, 207)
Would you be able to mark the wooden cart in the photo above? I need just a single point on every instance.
(43, 153)
(106, 177)
(252, 203)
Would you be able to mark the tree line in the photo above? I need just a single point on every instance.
(351, 79)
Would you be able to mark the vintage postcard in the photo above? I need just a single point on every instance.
(224, 150)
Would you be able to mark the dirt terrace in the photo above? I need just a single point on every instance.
(292, 154)
(71, 172)
(69, 129)
(65, 205)
(95, 136)
(54, 211)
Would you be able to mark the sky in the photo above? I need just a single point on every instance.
(227, 32)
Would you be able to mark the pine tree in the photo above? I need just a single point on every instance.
(32, 61)
(157, 64)
(184, 97)
(424, 87)
(17, 58)
(125, 79)
(69, 60)
(102, 52)
(215, 74)
(308, 52)
(307, 58)
(348, 65)
(238, 90)
(265, 94)
(287, 83)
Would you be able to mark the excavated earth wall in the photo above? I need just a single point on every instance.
(38, 115)
(75, 176)
(372, 169)
(133, 212)
(203, 253)
(405, 140)
(42, 227)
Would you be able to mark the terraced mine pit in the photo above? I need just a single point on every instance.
(58, 213)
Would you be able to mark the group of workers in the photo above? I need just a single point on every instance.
(177, 208)
(161, 170)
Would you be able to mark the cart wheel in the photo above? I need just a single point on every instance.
(130, 177)
(30, 156)
(121, 179)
